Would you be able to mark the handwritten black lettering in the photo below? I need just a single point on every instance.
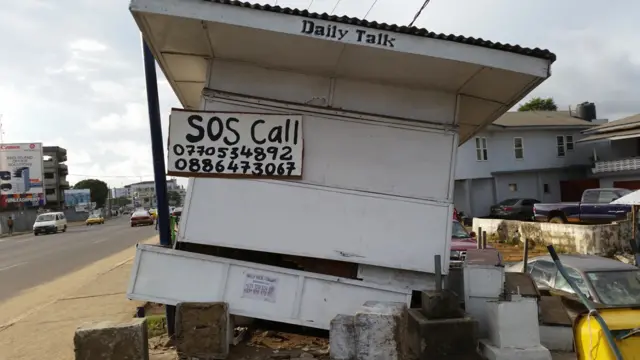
(194, 121)
(253, 132)
(232, 130)
(215, 136)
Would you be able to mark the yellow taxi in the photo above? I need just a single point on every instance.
(94, 220)
(154, 213)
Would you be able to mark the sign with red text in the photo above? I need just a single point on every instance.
(224, 144)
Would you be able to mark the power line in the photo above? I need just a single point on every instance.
(372, 5)
(311, 3)
(335, 6)
(417, 15)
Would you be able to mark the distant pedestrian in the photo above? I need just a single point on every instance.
(10, 225)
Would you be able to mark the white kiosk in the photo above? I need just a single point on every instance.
(365, 199)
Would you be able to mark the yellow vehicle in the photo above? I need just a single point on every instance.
(94, 220)
(154, 213)
(624, 324)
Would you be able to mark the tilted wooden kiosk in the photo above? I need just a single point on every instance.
(321, 153)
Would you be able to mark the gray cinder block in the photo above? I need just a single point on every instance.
(381, 331)
(202, 330)
(107, 340)
(342, 338)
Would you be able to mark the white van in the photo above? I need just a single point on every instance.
(51, 222)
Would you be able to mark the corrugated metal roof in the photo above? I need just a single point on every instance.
(540, 118)
(630, 120)
(614, 135)
(537, 53)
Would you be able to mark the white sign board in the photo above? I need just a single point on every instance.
(260, 287)
(223, 144)
(21, 175)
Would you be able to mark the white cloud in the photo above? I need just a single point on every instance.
(87, 45)
(134, 118)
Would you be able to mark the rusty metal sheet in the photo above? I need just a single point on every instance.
(523, 284)
(553, 312)
(483, 257)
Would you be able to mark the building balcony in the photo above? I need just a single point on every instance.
(630, 164)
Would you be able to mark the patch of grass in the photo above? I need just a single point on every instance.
(156, 325)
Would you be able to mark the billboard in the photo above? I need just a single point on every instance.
(77, 197)
(21, 175)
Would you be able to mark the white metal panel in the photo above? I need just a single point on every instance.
(384, 156)
(320, 222)
(345, 94)
(299, 297)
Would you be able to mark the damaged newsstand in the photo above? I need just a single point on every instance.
(320, 152)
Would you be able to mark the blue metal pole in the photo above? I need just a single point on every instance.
(159, 172)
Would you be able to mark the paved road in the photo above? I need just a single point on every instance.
(28, 260)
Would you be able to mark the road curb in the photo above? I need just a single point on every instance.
(34, 310)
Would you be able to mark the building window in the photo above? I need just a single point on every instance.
(546, 189)
(568, 141)
(49, 176)
(513, 187)
(50, 191)
(518, 148)
(481, 149)
(560, 146)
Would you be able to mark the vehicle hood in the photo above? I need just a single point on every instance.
(44, 223)
(463, 244)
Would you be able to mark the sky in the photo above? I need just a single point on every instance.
(71, 72)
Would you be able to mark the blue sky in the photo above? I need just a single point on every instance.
(71, 70)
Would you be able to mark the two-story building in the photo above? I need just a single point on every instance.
(533, 154)
(617, 160)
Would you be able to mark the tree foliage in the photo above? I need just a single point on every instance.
(539, 104)
(99, 190)
(174, 198)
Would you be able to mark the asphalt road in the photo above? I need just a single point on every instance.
(27, 260)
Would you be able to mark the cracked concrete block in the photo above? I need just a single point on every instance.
(108, 340)
(342, 338)
(436, 339)
(202, 330)
(381, 331)
(444, 304)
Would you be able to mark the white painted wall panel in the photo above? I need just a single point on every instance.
(298, 297)
(342, 94)
(397, 159)
(321, 222)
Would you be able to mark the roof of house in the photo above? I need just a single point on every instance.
(630, 120)
(540, 118)
(537, 53)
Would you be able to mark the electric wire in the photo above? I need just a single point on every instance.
(371, 8)
(335, 6)
(311, 3)
(417, 15)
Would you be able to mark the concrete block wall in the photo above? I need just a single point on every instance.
(603, 239)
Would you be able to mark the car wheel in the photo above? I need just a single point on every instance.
(64, 229)
(557, 220)
(35, 233)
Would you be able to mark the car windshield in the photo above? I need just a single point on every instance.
(459, 232)
(616, 287)
(140, 213)
(47, 217)
(94, 216)
(509, 202)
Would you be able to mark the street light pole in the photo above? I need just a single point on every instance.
(159, 172)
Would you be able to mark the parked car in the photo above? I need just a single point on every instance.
(594, 208)
(603, 281)
(50, 223)
(141, 217)
(461, 242)
(514, 209)
(94, 219)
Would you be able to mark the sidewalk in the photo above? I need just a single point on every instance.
(40, 323)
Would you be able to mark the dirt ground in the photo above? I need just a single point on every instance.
(514, 253)
(258, 344)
